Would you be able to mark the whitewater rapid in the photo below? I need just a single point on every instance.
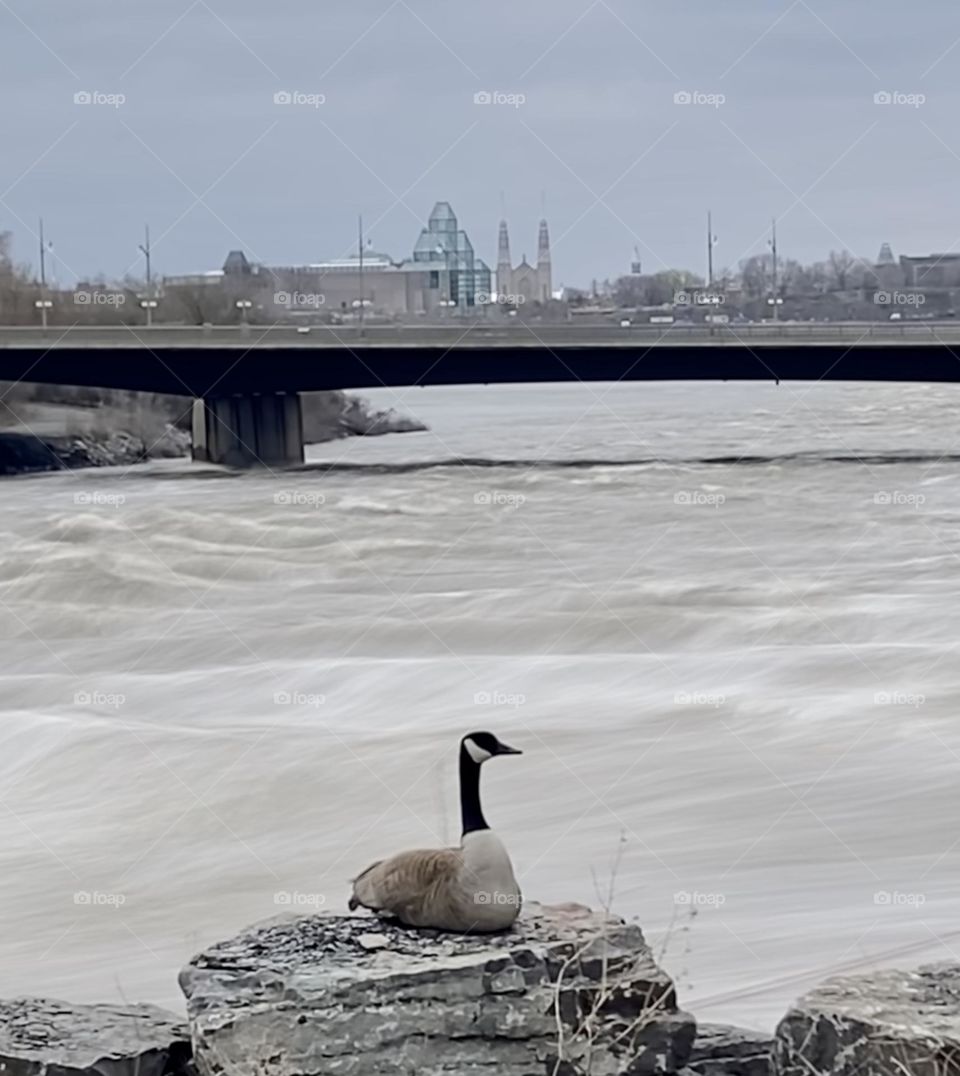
(720, 620)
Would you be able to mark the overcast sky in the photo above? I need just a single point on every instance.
(200, 149)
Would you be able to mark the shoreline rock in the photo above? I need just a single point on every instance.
(567, 992)
(41, 1037)
(28, 453)
(724, 1050)
(310, 994)
(885, 1023)
(68, 429)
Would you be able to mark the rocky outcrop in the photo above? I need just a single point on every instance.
(567, 991)
(887, 1023)
(328, 416)
(55, 427)
(721, 1050)
(52, 1038)
(21, 453)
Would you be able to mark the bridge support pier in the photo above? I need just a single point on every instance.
(248, 431)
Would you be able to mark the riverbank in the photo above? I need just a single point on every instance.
(52, 428)
(567, 991)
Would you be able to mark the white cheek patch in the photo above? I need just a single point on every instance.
(478, 754)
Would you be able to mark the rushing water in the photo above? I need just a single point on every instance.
(721, 621)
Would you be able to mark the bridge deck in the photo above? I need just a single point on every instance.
(234, 361)
(481, 334)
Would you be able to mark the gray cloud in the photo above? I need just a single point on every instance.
(399, 122)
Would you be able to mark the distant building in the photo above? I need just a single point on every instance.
(886, 271)
(445, 251)
(443, 272)
(528, 283)
(935, 272)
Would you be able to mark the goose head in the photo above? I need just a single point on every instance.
(480, 746)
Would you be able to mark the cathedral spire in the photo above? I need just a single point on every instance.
(544, 268)
(503, 260)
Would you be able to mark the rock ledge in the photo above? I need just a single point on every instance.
(353, 995)
(40, 1037)
(885, 1023)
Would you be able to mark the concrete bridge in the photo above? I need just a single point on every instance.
(246, 379)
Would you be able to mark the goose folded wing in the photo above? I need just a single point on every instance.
(410, 885)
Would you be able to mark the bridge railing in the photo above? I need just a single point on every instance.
(464, 333)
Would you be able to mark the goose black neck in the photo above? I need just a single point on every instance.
(470, 810)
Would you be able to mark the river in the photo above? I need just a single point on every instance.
(720, 621)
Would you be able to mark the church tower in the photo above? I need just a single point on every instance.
(544, 268)
(504, 269)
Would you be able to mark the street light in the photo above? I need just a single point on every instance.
(149, 305)
(43, 305)
(244, 305)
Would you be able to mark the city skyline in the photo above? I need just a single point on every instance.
(57, 275)
(837, 125)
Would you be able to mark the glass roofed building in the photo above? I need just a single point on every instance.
(443, 272)
(445, 251)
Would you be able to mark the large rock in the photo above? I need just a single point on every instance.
(721, 1050)
(887, 1023)
(328, 416)
(566, 991)
(52, 1038)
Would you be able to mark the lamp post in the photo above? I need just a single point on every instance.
(773, 248)
(244, 306)
(360, 253)
(43, 305)
(149, 304)
(711, 243)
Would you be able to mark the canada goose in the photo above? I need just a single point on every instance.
(470, 888)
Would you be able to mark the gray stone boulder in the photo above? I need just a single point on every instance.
(328, 416)
(566, 991)
(39, 1037)
(886, 1023)
(722, 1050)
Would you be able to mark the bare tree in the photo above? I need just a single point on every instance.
(840, 261)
